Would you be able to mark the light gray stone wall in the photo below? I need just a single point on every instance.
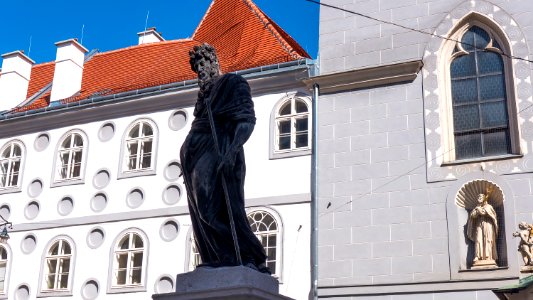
(349, 42)
(380, 221)
(384, 224)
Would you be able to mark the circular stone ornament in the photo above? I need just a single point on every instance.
(28, 244)
(65, 206)
(135, 198)
(31, 211)
(41, 142)
(101, 179)
(177, 120)
(106, 132)
(5, 211)
(22, 292)
(173, 171)
(90, 289)
(172, 194)
(35, 188)
(95, 238)
(98, 202)
(165, 284)
(169, 230)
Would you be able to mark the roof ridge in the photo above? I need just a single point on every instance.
(267, 22)
(146, 45)
(203, 18)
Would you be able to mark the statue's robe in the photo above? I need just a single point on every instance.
(482, 229)
(231, 106)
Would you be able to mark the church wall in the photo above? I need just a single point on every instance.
(390, 228)
(350, 42)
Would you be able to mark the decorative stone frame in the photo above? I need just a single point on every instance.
(111, 289)
(437, 95)
(122, 171)
(279, 238)
(276, 154)
(56, 181)
(17, 188)
(57, 293)
(457, 242)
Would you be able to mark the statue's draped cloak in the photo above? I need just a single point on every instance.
(483, 230)
(231, 105)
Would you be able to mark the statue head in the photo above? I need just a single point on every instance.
(481, 198)
(523, 225)
(204, 62)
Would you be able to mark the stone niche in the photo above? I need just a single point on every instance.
(481, 216)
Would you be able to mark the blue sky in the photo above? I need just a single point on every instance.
(114, 24)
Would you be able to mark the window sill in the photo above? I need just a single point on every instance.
(66, 182)
(9, 190)
(54, 293)
(130, 174)
(289, 153)
(126, 289)
(481, 159)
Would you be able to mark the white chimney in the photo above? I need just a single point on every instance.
(14, 79)
(68, 69)
(150, 35)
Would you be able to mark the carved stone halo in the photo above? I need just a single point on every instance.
(468, 193)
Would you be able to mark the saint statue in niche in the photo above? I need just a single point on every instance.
(482, 230)
(212, 157)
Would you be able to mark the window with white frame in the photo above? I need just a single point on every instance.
(194, 258)
(129, 261)
(139, 146)
(3, 269)
(10, 164)
(57, 268)
(70, 155)
(265, 228)
(292, 126)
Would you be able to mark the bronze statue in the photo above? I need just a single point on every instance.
(212, 158)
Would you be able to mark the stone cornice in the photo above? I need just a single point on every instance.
(367, 77)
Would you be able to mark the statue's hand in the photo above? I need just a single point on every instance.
(227, 160)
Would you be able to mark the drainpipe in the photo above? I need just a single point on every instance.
(314, 195)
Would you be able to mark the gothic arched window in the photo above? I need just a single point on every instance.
(479, 96)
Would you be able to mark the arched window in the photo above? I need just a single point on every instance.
(129, 261)
(10, 164)
(139, 148)
(70, 159)
(292, 126)
(479, 97)
(57, 268)
(3, 269)
(265, 227)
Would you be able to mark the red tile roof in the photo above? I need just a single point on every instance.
(242, 34)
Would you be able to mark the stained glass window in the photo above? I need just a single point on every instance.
(479, 97)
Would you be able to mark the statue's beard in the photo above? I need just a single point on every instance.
(206, 78)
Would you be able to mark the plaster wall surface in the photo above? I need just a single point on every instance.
(348, 41)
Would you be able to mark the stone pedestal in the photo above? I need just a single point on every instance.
(484, 264)
(235, 283)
